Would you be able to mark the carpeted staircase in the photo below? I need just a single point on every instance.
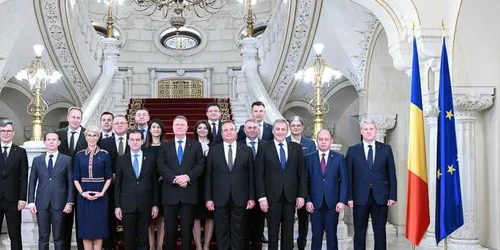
(193, 109)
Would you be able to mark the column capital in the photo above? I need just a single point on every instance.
(382, 121)
(466, 99)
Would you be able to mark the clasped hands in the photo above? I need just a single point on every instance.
(182, 180)
(264, 206)
(211, 206)
(92, 195)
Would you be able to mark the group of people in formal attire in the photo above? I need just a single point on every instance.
(226, 180)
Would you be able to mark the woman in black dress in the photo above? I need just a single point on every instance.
(204, 136)
(155, 138)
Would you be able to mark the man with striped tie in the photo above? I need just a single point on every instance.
(255, 216)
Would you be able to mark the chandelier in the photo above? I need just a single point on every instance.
(177, 7)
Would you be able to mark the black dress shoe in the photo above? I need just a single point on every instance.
(302, 248)
(263, 239)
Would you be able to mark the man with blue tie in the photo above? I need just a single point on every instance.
(136, 193)
(327, 185)
(180, 162)
(308, 146)
(372, 185)
(281, 184)
(51, 177)
(259, 114)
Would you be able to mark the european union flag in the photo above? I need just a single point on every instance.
(449, 212)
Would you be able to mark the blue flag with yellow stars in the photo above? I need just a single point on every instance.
(449, 212)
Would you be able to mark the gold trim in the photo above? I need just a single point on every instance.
(225, 109)
(180, 88)
(135, 104)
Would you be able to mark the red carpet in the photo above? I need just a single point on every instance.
(193, 109)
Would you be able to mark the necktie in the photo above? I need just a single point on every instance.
(106, 135)
(72, 143)
(4, 154)
(369, 159)
(50, 166)
(253, 148)
(214, 129)
(323, 164)
(120, 146)
(144, 134)
(230, 157)
(136, 165)
(282, 157)
(180, 152)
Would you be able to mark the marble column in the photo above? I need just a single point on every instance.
(468, 103)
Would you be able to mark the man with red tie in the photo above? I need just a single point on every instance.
(327, 186)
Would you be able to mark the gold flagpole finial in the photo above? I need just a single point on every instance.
(413, 28)
(442, 28)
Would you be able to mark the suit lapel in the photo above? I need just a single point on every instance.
(276, 154)
(57, 167)
(12, 153)
(376, 154)
(43, 165)
(317, 162)
(329, 165)
(143, 166)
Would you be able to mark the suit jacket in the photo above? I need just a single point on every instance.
(221, 184)
(271, 181)
(56, 189)
(259, 142)
(132, 193)
(308, 145)
(217, 137)
(381, 178)
(14, 175)
(332, 187)
(267, 132)
(193, 163)
(109, 144)
(81, 144)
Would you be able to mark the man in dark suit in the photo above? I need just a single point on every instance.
(256, 217)
(372, 185)
(106, 125)
(308, 146)
(265, 129)
(13, 185)
(72, 141)
(281, 184)
(51, 177)
(180, 162)
(116, 146)
(136, 193)
(142, 121)
(327, 181)
(229, 188)
(214, 115)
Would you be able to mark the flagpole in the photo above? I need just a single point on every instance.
(442, 27)
(446, 243)
(412, 246)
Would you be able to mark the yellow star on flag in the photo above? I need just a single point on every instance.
(451, 169)
(439, 173)
(449, 114)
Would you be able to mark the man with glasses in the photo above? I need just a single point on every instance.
(72, 141)
(13, 185)
(116, 145)
(308, 146)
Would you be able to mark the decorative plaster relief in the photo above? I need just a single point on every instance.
(49, 15)
(297, 48)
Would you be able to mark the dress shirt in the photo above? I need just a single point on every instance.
(285, 147)
(226, 150)
(216, 126)
(261, 129)
(117, 142)
(109, 134)
(76, 136)
(183, 145)
(365, 146)
(139, 158)
(295, 140)
(53, 159)
(8, 149)
(249, 143)
(145, 134)
(327, 153)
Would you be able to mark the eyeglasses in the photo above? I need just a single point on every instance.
(6, 131)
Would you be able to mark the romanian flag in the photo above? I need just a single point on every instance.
(417, 207)
(449, 210)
